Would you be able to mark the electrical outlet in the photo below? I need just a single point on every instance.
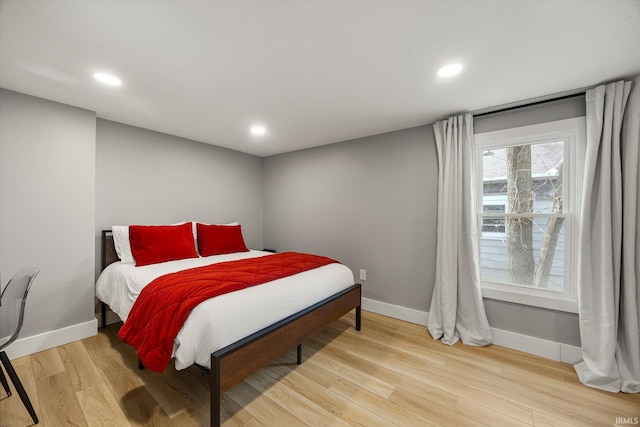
(363, 274)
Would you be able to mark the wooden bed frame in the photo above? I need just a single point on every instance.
(235, 362)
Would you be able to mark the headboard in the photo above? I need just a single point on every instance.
(109, 254)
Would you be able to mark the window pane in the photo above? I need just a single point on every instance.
(531, 254)
(493, 208)
(493, 224)
(525, 178)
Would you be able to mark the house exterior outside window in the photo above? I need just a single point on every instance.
(494, 226)
(528, 196)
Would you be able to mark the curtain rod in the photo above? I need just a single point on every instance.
(581, 92)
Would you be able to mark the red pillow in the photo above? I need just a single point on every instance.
(151, 244)
(220, 239)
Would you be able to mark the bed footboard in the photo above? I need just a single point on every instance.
(234, 363)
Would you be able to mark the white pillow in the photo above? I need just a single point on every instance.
(194, 227)
(121, 242)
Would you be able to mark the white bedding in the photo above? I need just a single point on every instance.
(227, 318)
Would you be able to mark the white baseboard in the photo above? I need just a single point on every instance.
(528, 344)
(538, 346)
(570, 354)
(36, 343)
(396, 311)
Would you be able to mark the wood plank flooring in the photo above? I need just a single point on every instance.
(390, 373)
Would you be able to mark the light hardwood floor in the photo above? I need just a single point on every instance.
(390, 373)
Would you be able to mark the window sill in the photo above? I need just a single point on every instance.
(557, 303)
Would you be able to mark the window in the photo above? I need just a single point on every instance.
(528, 200)
(493, 226)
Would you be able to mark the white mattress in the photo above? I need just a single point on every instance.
(227, 318)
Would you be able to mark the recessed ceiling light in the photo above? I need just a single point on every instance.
(107, 79)
(450, 70)
(258, 130)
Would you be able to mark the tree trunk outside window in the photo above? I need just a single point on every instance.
(550, 242)
(520, 261)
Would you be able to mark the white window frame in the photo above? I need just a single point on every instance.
(573, 133)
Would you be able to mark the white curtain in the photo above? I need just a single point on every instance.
(457, 311)
(608, 258)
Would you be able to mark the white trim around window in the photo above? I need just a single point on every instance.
(573, 133)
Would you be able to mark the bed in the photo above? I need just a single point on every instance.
(264, 335)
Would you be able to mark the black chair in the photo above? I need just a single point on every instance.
(12, 302)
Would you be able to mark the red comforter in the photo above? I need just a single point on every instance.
(164, 304)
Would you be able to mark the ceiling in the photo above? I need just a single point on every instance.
(312, 72)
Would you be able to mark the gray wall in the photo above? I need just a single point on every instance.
(64, 176)
(145, 177)
(47, 208)
(371, 203)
